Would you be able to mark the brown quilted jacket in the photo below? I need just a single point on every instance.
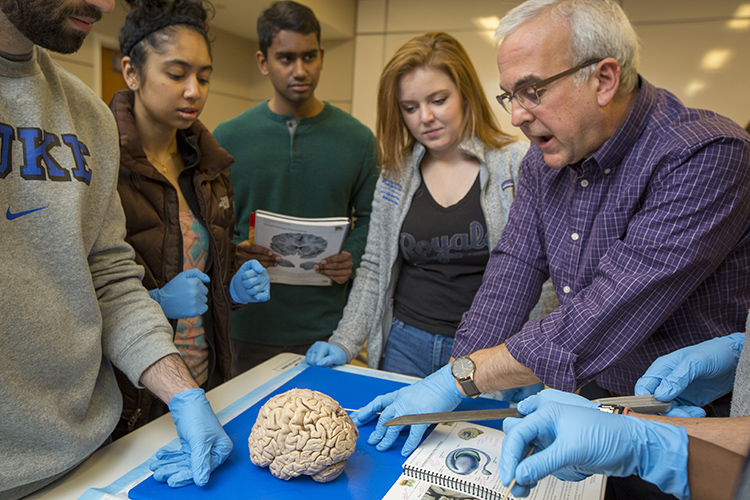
(153, 229)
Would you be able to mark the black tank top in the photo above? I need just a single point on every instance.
(445, 252)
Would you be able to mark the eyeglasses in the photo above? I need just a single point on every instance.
(528, 96)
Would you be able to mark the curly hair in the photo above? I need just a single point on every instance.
(152, 23)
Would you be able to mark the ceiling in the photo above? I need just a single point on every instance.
(239, 16)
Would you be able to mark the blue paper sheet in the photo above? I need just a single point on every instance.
(368, 474)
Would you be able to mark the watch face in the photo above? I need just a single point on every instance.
(462, 367)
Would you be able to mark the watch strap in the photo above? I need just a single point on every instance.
(469, 387)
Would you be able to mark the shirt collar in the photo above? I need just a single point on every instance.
(610, 155)
(20, 69)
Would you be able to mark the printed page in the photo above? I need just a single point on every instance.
(301, 243)
(468, 454)
(409, 488)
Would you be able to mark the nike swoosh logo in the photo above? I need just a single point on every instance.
(12, 216)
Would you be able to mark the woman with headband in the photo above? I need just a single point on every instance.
(176, 191)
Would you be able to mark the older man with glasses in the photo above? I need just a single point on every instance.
(636, 206)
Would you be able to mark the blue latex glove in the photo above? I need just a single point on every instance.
(586, 441)
(325, 354)
(693, 376)
(530, 404)
(205, 445)
(184, 296)
(520, 393)
(250, 283)
(436, 393)
(533, 402)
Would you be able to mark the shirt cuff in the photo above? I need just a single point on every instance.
(552, 363)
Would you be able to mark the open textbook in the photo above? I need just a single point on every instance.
(460, 461)
(301, 243)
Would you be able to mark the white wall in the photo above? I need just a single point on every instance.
(236, 83)
(676, 36)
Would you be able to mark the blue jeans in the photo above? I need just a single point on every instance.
(412, 351)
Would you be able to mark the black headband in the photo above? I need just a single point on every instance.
(158, 24)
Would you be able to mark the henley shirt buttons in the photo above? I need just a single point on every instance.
(574, 236)
(584, 183)
(566, 289)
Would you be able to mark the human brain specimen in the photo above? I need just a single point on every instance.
(303, 432)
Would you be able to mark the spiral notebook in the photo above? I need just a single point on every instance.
(460, 461)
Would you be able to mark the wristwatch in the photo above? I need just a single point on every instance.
(462, 370)
(618, 409)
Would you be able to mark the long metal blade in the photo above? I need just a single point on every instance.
(453, 416)
(640, 404)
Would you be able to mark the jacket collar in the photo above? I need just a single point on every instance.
(473, 147)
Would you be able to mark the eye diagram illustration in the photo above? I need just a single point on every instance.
(464, 461)
(306, 246)
(469, 433)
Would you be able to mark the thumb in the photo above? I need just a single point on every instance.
(528, 405)
(646, 385)
(540, 465)
(326, 361)
(195, 273)
(257, 266)
(200, 461)
(252, 265)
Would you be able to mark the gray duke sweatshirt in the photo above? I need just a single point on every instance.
(71, 301)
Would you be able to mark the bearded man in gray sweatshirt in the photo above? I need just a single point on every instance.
(72, 304)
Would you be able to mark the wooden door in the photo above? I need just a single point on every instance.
(112, 79)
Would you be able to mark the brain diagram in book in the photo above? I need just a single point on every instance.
(460, 461)
(300, 243)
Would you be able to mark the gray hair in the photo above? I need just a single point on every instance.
(598, 29)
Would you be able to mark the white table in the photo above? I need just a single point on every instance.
(115, 460)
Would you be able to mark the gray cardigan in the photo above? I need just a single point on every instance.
(369, 311)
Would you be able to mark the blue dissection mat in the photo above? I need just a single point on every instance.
(368, 474)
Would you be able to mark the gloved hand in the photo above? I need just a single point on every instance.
(520, 393)
(205, 445)
(533, 402)
(436, 393)
(250, 283)
(586, 441)
(693, 376)
(184, 296)
(325, 354)
(530, 404)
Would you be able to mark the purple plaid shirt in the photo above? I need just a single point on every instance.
(647, 243)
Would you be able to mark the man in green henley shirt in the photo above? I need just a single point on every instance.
(299, 156)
